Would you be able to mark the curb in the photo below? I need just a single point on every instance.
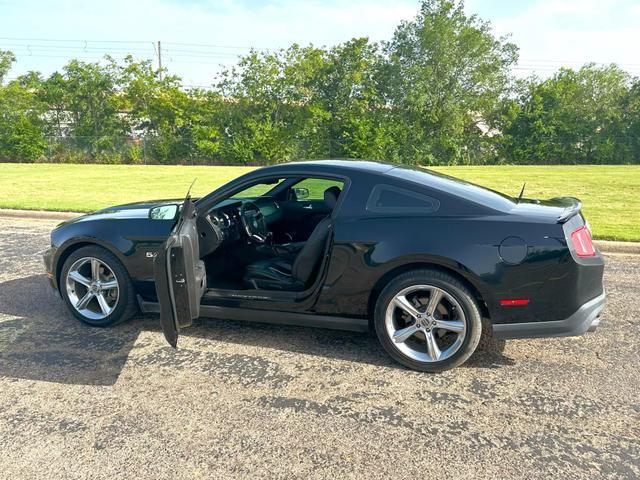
(38, 214)
(610, 246)
(606, 246)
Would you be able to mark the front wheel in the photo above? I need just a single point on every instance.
(96, 287)
(428, 320)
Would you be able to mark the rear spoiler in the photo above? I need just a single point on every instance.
(571, 205)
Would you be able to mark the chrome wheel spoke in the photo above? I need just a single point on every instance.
(450, 325)
(404, 333)
(434, 301)
(403, 303)
(95, 269)
(432, 346)
(104, 306)
(109, 284)
(78, 277)
(84, 301)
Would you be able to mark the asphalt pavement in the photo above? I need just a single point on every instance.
(243, 400)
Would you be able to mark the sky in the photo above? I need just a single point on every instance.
(198, 36)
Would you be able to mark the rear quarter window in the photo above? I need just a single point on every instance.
(391, 199)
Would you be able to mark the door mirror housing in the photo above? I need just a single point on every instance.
(301, 193)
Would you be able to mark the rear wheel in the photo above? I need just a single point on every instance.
(96, 287)
(428, 320)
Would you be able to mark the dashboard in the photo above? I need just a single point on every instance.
(223, 225)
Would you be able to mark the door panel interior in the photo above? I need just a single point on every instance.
(180, 276)
(301, 216)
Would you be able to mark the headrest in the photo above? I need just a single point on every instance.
(331, 195)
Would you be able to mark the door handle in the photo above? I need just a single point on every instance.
(308, 207)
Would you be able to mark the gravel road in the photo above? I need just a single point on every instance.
(241, 400)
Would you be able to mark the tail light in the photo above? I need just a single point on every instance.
(582, 244)
(514, 302)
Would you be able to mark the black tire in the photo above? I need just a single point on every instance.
(126, 305)
(450, 285)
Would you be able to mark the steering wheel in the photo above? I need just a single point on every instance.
(254, 223)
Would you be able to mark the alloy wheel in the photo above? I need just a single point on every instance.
(92, 288)
(425, 323)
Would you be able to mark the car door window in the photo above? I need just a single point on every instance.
(258, 189)
(311, 189)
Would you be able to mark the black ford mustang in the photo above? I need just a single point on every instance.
(419, 257)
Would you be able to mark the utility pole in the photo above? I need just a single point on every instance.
(159, 61)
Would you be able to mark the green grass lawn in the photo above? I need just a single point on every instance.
(610, 194)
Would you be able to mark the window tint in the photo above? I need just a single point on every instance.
(315, 187)
(258, 189)
(454, 186)
(390, 199)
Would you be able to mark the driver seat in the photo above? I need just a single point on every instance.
(286, 274)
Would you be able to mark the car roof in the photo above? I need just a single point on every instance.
(332, 166)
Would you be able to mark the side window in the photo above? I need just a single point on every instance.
(258, 189)
(390, 199)
(312, 189)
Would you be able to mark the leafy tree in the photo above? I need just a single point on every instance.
(21, 137)
(303, 102)
(350, 94)
(21, 125)
(628, 127)
(272, 110)
(439, 92)
(156, 107)
(445, 70)
(573, 117)
(6, 61)
(90, 96)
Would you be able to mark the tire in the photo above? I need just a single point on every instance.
(120, 302)
(457, 310)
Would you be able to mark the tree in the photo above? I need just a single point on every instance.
(350, 94)
(439, 92)
(21, 137)
(6, 61)
(445, 70)
(271, 105)
(89, 94)
(629, 126)
(303, 102)
(573, 117)
(158, 110)
(21, 125)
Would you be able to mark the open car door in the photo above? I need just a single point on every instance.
(180, 275)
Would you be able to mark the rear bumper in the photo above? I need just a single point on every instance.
(585, 319)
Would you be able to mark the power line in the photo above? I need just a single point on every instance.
(175, 53)
(197, 47)
(85, 41)
(69, 40)
(208, 45)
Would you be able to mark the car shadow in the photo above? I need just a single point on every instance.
(42, 341)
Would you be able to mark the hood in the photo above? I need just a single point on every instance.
(124, 212)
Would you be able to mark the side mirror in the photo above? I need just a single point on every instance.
(301, 193)
(163, 212)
